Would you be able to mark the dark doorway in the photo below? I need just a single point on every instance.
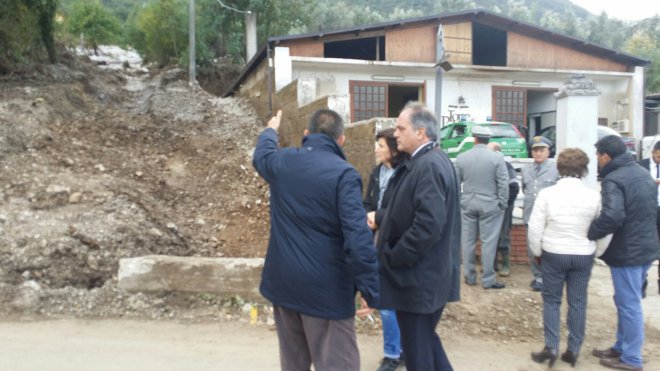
(488, 45)
(399, 95)
(369, 49)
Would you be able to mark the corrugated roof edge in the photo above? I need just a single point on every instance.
(471, 14)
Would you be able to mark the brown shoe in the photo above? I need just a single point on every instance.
(617, 364)
(607, 353)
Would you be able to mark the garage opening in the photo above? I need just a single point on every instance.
(488, 45)
(369, 49)
(400, 95)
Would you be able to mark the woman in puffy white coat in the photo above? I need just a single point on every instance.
(557, 232)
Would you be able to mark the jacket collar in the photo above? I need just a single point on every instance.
(422, 151)
(615, 163)
(322, 142)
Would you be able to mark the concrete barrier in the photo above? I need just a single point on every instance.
(222, 276)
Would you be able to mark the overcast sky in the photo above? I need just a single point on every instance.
(622, 9)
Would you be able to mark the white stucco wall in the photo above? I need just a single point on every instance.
(576, 127)
(475, 85)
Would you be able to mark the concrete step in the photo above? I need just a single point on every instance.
(222, 276)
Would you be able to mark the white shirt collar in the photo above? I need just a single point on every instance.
(418, 148)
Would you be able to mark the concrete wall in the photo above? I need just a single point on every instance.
(222, 276)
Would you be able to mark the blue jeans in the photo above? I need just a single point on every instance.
(391, 335)
(628, 300)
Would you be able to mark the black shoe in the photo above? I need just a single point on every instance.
(470, 283)
(616, 364)
(546, 354)
(496, 285)
(607, 353)
(569, 357)
(536, 285)
(390, 364)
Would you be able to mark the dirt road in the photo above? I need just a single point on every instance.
(128, 345)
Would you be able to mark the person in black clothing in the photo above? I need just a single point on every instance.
(652, 164)
(419, 240)
(388, 158)
(630, 215)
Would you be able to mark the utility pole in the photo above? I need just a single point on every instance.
(442, 65)
(191, 44)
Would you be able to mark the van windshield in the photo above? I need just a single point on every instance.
(503, 131)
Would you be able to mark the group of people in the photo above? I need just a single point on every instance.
(399, 247)
(571, 223)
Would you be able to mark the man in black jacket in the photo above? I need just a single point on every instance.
(652, 164)
(626, 189)
(419, 240)
(320, 250)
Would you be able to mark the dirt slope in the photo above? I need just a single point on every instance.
(97, 165)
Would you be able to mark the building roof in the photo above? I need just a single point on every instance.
(478, 15)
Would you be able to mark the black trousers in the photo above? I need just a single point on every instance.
(421, 344)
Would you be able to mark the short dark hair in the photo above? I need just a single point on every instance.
(572, 162)
(388, 135)
(328, 122)
(481, 140)
(656, 146)
(421, 117)
(611, 145)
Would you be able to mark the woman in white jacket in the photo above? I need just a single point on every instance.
(557, 233)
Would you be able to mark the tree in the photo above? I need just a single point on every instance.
(646, 44)
(45, 11)
(90, 18)
(454, 5)
(161, 31)
(518, 9)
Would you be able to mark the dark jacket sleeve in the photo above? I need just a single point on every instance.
(361, 254)
(613, 212)
(371, 197)
(264, 154)
(514, 188)
(429, 218)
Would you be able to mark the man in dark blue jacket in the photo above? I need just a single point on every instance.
(320, 250)
(419, 240)
(630, 214)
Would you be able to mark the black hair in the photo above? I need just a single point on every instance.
(481, 140)
(656, 146)
(328, 122)
(388, 135)
(611, 145)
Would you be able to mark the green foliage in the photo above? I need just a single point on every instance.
(25, 27)
(45, 11)
(161, 31)
(19, 40)
(158, 29)
(98, 26)
(645, 43)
